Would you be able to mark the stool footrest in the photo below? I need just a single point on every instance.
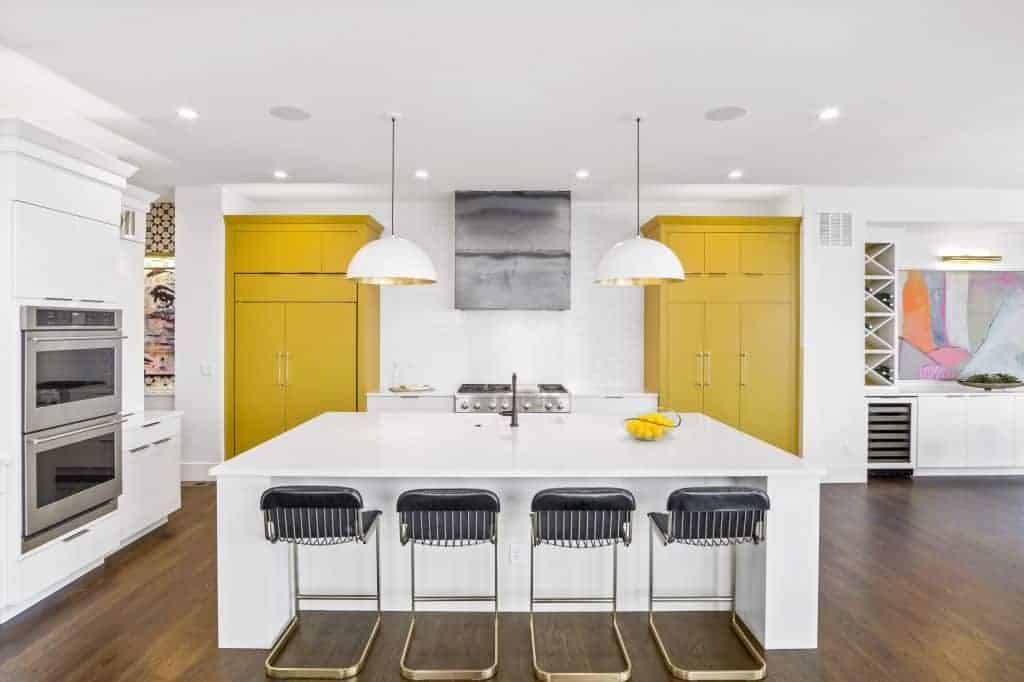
(439, 674)
(709, 674)
(681, 599)
(339, 597)
(457, 597)
(574, 600)
(283, 673)
(549, 676)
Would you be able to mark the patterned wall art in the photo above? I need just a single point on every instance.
(512, 250)
(160, 229)
(961, 323)
(158, 350)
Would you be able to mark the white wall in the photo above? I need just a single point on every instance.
(834, 412)
(598, 344)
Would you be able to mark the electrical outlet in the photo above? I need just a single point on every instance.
(206, 369)
(515, 552)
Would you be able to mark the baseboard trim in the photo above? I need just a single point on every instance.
(197, 471)
(846, 475)
(987, 471)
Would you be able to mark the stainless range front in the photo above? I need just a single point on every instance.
(71, 418)
(542, 398)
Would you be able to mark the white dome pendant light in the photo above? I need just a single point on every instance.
(392, 260)
(638, 261)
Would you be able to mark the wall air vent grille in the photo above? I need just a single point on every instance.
(835, 229)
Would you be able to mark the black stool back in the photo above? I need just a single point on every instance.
(315, 515)
(715, 516)
(582, 517)
(448, 517)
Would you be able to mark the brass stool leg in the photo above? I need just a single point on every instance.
(437, 673)
(737, 627)
(548, 676)
(277, 648)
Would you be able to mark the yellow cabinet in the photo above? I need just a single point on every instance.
(690, 250)
(726, 342)
(722, 362)
(320, 360)
(684, 388)
(768, 392)
(722, 253)
(259, 372)
(300, 338)
(767, 254)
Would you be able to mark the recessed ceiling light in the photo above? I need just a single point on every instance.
(281, 175)
(828, 114)
(736, 174)
(187, 113)
(422, 173)
(582, 174)
(289, 113)
(722, 114)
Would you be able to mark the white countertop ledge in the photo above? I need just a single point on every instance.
(441, 445)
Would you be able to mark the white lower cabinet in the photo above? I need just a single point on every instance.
(942, 431)
(418, 402)
(151, 486)
(970, 431)
(990, 431)
(616, 405)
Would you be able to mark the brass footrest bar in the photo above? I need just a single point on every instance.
(548, 676)
(689, 674)
(315, 673)
(679, 600)
(438, 674)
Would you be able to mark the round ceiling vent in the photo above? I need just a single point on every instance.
(722, 114)
(289, 113)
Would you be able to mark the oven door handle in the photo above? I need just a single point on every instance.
(86, 429)
(58, 339)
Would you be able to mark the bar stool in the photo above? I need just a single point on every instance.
(581, 518)
(317, 516)
(447, 517)
(709, 517)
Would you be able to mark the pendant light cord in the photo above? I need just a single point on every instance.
(637, 176)
(393, 118)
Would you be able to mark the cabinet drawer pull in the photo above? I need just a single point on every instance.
(717, 274)
(743, 368)
(140, 448)
(409, 397)
(754, 274)
(56, 298)
(614, 397)
(77, 535)
(162, 440)
(146, 426)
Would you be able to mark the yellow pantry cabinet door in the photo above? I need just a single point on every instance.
(722, 253)
(320, 360)
(768, 254)
(722, 362)
(768, 365)
(684, 357)
(277, 251)
(259, 373)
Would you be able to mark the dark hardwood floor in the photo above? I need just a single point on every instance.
(920, 580)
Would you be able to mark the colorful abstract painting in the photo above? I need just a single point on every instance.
(158, 352)
(960, 323)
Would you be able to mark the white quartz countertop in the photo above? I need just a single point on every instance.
(937, 388)
(442, 445)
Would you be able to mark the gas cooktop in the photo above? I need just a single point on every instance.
(552, 398)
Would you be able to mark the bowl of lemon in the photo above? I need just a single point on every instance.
(651, 426)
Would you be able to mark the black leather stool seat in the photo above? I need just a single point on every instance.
(582, 517)
(449, 517)
(714, 515)
(315, 515)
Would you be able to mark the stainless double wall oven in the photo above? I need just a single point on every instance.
(71, 377)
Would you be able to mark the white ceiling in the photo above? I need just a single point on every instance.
(522, 96)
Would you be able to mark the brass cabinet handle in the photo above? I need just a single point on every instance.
(139, 449)
(743, 368)
(700, 366)
(280, 367)
(287, 368)
(707, 375)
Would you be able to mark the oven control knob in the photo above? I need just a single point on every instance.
(526, 405)
(494, 404)
(504, 405)
(559, 405)
(548, 406)
(476, 406)
(464, 405)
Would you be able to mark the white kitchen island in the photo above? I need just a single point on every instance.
(382, 454)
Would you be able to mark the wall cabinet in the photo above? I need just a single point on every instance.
(64, 257)
(300, 339)
(725, 341)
